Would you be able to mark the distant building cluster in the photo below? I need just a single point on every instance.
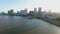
(35, 14)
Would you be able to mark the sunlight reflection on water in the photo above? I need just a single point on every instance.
(26, 26)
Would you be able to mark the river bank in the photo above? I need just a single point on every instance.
(52, 21)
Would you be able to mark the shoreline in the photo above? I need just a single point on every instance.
(53, 22)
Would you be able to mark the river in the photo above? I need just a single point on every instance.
(23, 25)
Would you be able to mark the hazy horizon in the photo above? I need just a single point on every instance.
(53, 5)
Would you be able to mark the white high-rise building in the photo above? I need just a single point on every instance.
(23, 12)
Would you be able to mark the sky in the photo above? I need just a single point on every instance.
(17, 5)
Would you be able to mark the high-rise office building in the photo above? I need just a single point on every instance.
(23, 12)
(26, 10)
(17, 12)
(49, 11)
(31, 12)
(3, 13)
(39, 10)
(35, 9)
(10, 12)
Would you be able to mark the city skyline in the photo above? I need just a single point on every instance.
(17, 5)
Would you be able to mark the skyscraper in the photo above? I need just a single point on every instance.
(3, 13)
(26, 10)
(23, 12)
(35, 9)
(17, 12)
(10, 12)
(39, 10)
